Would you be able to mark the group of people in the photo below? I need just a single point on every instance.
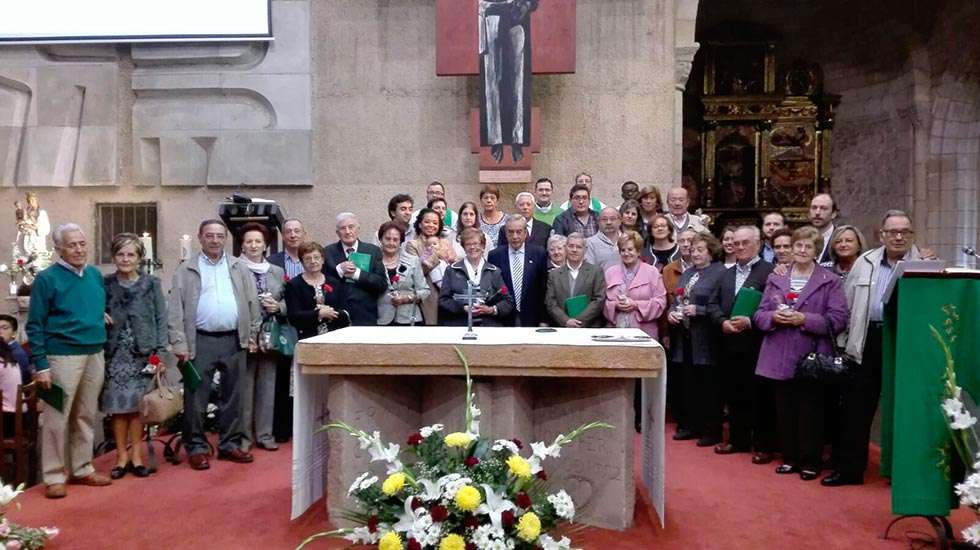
(648, 264)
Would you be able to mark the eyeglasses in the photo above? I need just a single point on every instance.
(894, 233)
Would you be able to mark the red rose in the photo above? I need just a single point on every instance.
(792, 295)
(416, 503)
(20, 261)
(679, 291)
(523, 500)
(507, 517)
(415, 439)
(542, 476)
(517, 442)
(372, 524)
(285, 278)
(503, 291)
(154, 360)
(413, 545)
(471, 522)
(438, 513)
(471, 461)
(327, 288)
(395, 278)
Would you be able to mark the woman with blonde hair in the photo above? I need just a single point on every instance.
(136, 313)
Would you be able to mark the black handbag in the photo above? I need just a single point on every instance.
(822, 367)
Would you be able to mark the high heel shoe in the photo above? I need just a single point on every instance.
(120, 471)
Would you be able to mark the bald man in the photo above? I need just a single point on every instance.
(677, 205)
(601, 249)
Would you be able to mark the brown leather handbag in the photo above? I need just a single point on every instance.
(161, 403)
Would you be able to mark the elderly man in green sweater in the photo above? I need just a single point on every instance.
(66, 332)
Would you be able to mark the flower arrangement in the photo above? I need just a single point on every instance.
(457, 491)
(25, 267)
(15, 537)
(956, 407)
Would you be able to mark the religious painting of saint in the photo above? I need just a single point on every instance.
(735, 167)
(505, 75)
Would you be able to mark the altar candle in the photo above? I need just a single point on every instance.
(185, 247)
(147, 241)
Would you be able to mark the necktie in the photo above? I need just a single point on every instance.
(517, 275)
(349, 252)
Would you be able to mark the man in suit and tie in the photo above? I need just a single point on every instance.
(525, 270)
(537, 231)
(823, 215)
(576, 277)
(750, 426)
(364, 278)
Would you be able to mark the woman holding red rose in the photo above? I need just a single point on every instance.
(799, 314)
(407, 285)
(136, 315)
(313, 297)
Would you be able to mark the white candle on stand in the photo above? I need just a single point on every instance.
(147, 241)
(185, 247)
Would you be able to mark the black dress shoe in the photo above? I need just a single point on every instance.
(139, 471)
(708, 441)
(786, 469)
(119, 471)
(728, 448)
(683, 434)
(808, 475)
(761, 458)
(837, 479)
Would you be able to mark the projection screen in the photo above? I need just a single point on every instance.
(90, 21)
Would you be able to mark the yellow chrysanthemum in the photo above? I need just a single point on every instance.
(519, 467)
(452, 542)
(529, 527)
(390, 541)
(393, 484)
(468, 498)
(458, 439)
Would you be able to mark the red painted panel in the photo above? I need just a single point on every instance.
(552, 37)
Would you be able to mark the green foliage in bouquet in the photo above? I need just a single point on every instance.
(458, 491)
(13, 536)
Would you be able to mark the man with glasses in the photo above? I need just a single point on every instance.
(865, 288)
(579, 218)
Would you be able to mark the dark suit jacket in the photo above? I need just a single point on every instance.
(702, 333)
(590, 281)
(279, 259)
(301, 303)
(360, 297)
(451, 312)
(534, 285)
(720, 308)
(540, 233)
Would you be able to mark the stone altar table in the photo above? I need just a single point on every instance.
(530, 385)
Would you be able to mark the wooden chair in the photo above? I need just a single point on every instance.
(21, 446)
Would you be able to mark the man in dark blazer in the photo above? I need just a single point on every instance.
(361, 288)
(576, 277)
(751, 426)
(538, 232)
(533, 262)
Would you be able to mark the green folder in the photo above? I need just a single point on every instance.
(55, 396)
(361, 260)
(746, 302)
(575, 305)
(189, 374)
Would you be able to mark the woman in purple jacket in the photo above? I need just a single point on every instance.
(798, 314)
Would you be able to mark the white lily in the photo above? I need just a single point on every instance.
(429, 430)
(406, 521)
(8, 493)
(494, 506)
(962, 421)
(363, 535)
(952, 407)
(433, 490)
(501, 444)
(388, 455)
(548, 543)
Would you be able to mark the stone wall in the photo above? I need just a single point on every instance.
(340, 112)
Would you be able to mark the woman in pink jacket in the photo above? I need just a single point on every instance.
(635, 295)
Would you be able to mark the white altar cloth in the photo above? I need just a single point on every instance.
(310, 391)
